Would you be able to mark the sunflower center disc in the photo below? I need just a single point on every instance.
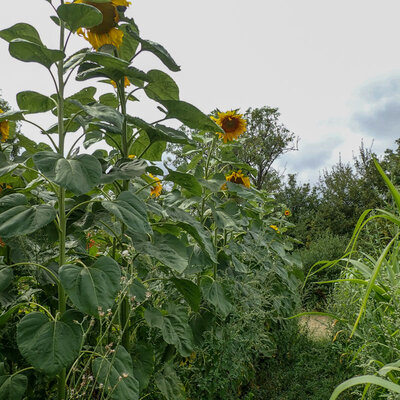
(229, 125)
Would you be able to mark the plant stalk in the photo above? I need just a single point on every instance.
(61, 196)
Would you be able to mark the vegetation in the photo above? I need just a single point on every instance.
(120, 279)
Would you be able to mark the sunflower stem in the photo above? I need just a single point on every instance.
(61, 196)
(125, 305)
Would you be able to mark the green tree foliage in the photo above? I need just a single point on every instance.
(266, 140)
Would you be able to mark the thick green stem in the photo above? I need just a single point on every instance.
(125, 305)
(61, 197)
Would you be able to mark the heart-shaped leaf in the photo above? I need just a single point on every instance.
(130, 210)
(94, 287)
(190, 291)
(79, 174)
(169, 383)
(116, 374)
(190, 115)
(34, 102)
(12, 387)
(26, 51)
(161, 86)
(80, 15)
(21, 31)
(23, 220)
(214, 293)
(48, 345)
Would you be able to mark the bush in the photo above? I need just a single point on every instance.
(325, 247)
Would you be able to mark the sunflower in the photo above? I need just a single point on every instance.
(238, 178)
(106, 32)
(275, 228)
(232, 123)
(4, 129)
(287, 213)
(156, 188)
(126, 82)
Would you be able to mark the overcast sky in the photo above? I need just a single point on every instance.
(331, 67)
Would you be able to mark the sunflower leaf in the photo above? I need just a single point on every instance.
(27, 51)
(21, 31)
(34, 102)
(189, 115)
(80, 15)
(13, 387)
(187, 181)
(23, 220)
(48, 345)
(160, 132)
(91, 287)
(155, 48)
(78, 174)
(161, 86)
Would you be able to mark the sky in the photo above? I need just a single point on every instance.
(331, 67)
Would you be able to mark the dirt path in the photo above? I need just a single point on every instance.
(317, 326)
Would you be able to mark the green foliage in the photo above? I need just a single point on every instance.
(303, 364)
(107, 282)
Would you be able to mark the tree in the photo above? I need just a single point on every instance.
(264, 142)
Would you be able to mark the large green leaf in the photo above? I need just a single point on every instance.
(159, 132)
(108, 61)
(169, 383)
(194, 228)
(104, 113)
(161, 86)
(4, 317)
(189, 115)
(79, 15)
(214, 293)
(109, 370)
(174, 327)
(363, 380)
(187, 181)
(155, 48)
(12, 200)
(130, 210)
(12, 387)
(48, 345)
(167, 249)
(26, 51)
(21, 31)
(84, 97)
(33, 102)
(6, 277)
(125, 170)
(143, 363)
(12, 116)
(79, 174)
(129, 44)
(23, 220)
(190, 291)
(148, 149)
(92, 287)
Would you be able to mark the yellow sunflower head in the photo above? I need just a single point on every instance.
(275, 228)
(4, 129)
(238, 178)
(232, 123)
(156, 188)
(287, 213)
(106, 32)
